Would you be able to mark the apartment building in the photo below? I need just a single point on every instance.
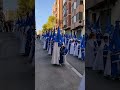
(57, 11)
(103, 9)
(77, 17)
(67, 16)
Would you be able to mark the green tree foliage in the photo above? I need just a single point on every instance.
(50, 23)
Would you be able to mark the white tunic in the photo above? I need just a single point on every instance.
(89, 57)
(72, 48)
(56, 54)
(44, 44)
(49, 51)
(79, 56)
(98, 63)
(76, 50)
(107, 70)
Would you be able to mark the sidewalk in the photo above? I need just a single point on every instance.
(50, 77)
(14, 73)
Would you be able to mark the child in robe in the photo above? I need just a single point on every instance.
(63, 52)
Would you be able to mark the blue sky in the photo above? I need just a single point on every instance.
(43, 9)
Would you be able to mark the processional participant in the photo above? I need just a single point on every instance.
(63, 53)
(90, 54)
(56, 49)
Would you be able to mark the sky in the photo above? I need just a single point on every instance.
(43, 9)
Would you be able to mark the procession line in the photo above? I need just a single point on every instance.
(74, 70)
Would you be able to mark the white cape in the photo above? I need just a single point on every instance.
(56, 54)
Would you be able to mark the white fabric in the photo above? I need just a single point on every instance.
(107, 70)
(72, 48)
(49, 51)
(68, 44)
(56, 54)
(89, 58)
(98, 63)
(44, 45)
(64, 58)
(76, 50)
(80, 55)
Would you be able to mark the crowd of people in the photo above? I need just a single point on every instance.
(24, 28)
(103, 50)
(59, 45)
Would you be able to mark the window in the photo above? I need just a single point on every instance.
(74, 5)
(77, 2)
(79, 16)
(74, 19)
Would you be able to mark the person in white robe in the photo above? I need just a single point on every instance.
(79, 50)
(56, 53)
(72, 47)
(76, 49)
(50, 48)
(98, 63)
(90, 57)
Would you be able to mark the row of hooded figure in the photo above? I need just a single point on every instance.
(55, 46)
(101, 55)
(76, 47)
(59, 50)
(25, 32)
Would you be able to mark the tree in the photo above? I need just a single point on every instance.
(50, 23)
(44, 27)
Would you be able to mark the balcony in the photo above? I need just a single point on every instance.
(79, 23)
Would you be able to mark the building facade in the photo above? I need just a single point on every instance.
(77, 17)
(57, 11)
(67, 16)
(104, 10)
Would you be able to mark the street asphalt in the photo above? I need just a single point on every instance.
(50, 77)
